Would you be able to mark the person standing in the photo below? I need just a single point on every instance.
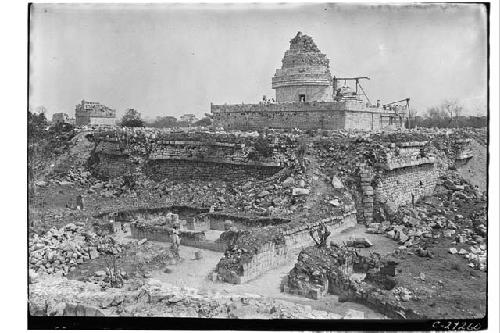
(79, 202)
(176, 240)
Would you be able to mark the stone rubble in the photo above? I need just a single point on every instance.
(455, 212)
(61, 250)
(59, 296)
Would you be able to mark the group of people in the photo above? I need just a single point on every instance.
(266, 100)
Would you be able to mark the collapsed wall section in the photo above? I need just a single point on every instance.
(182, 156)
(404, 174)
(322, 271)
(387, 170)
(256, 251)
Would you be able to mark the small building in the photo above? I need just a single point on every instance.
(60, 118)
(94, 113)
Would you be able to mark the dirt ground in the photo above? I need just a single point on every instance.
(193, 273)
(450, 289)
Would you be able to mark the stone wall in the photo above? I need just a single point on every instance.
(85, 119)
(202, 157)
(287, 119)
(407, 174)
(216, 221)
(294, 107)
(318, 93)
(326, 115)
(110, 121)
(463, 151)
(373, 121)
(186, 170)
(403, 175)
(404, 185)
(113, 165)
(193, 238)
(271, 255)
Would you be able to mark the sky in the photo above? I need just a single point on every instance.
(178, 58)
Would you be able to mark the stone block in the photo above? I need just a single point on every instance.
(315, 293)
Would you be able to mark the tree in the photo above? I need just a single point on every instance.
(164, 122)
(263, 148)
(41, 110)
(132, 118)
(36, 125)
(320, 235)
(445, 114)
(204, 122)
(453, 109)
(449, 114)
(437, 112)
(412, 114)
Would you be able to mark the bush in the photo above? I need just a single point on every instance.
(133, 123)
(204, 122)
(263, 148)
(302, 149)
(132, 118)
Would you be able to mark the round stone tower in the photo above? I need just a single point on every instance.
(304, 75)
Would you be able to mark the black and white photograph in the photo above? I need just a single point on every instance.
(270, 166)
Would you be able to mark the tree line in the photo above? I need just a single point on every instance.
(448, 114)
(132, 118)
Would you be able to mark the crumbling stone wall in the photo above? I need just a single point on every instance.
(322, 271)
(259, 250)
(112, 165)
(403, 174)
(185, 170)
(189, 155)
(217, 221)
(193, 238)
(270, 255)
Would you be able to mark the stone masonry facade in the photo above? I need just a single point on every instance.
(305, 99)
(403, 178)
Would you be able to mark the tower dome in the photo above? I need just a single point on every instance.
(305, 73)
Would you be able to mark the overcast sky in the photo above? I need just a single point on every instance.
(176, 59)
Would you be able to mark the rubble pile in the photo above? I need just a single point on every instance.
(277, 195)
(315, 266)
(144, 141)
(244, 244)
(61, 250)
(457, 211)
(51, 143)
(121, 186)
(59, 296)
(319, 271)
(109, 278)
(403, 294)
